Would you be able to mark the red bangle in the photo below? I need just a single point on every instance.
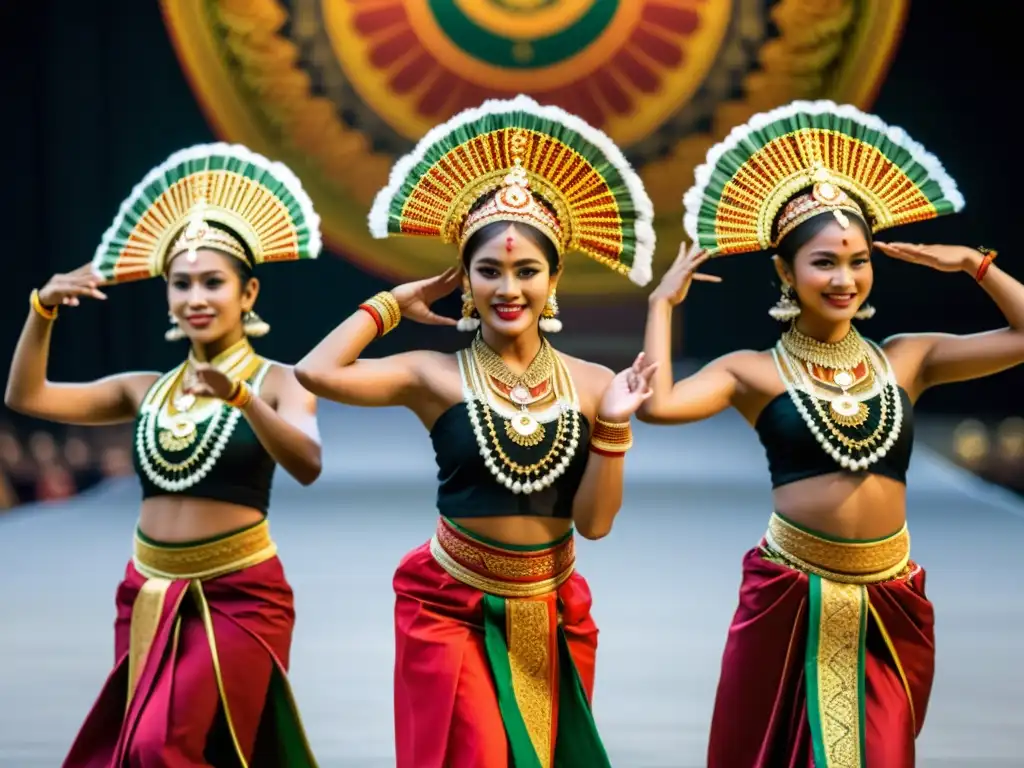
(376, 318)
(986, 262)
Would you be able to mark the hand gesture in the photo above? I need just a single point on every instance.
(66, 289)
(627, 391)
(945, 258)
(414, 299)
(676, 283)
(206, 381)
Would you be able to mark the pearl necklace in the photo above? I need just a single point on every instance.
(520, 478)
(856, 457)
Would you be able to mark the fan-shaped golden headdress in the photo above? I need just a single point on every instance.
(840, 158)
(219, 196)
(543, 166)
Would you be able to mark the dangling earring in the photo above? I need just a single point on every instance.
(254, 325)
(866, 312)
(549, 322)
(174, 333)
(785, 308)
(470, 319)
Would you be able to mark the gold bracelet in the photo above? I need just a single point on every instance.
(241, 395)
(386, 307)
(611, 438)
(49, 313)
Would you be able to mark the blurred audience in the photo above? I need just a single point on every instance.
(47, 466)
(994, 452)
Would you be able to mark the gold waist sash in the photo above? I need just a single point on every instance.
(500, 571)
(846, 562)
(195, 563)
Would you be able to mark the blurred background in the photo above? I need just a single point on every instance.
(96, 93)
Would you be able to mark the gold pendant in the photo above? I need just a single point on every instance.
(184, 402)
(523, 429)
(847, 412)
(180, 436)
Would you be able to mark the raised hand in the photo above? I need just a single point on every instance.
(206, 381)
(627, 391)
(676, 283)
(67, 289)
(414, 299)
(944, 258)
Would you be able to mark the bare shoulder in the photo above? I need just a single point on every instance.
(136, 384)
(586, 373)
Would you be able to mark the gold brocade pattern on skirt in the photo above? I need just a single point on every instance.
(840, 637)
(531, 646)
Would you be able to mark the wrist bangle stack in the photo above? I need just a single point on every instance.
(990, 256)
(49, 313)
(384, 310)
(241, 395)
(611, 439)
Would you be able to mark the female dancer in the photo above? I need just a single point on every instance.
(830, 657)
(204, 613)
(495, 643)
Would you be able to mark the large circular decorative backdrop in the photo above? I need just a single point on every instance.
(338, 88)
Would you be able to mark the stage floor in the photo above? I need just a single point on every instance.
(664, 584)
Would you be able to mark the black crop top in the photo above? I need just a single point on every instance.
(224, 462)
(467, 487)
(794, 452)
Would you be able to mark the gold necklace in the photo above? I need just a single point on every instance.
(844, 355)
(523, 429)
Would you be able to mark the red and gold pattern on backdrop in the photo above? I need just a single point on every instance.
(338, 89)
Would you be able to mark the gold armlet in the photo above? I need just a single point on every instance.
(384, 310)
(241, 395)
(48, 313)
(610, 439)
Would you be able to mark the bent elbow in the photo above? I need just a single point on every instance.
(309, 377)
(592, 531)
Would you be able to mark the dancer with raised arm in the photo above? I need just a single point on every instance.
(495, 645)
(830, 658)
(204, 613)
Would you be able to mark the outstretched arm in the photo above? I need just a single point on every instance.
(599, 497)
(109, 400)
(696, 397)
(944, 358)
(333, 370)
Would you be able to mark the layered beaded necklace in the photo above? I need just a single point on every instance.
(490, 389)
(832, 386)
(180, 437)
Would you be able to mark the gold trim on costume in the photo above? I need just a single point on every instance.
(531, 658)
(861, 562)
(840, 622)
(495, 586)
(162, 565)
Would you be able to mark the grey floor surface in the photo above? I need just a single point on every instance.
(664, 583)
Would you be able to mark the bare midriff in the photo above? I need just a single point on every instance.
(516, 530)
(180, 519)
(845, 506)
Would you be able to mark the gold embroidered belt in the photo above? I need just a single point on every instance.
(520, 626)
(846, 562)
(194, 563)
(499, 571)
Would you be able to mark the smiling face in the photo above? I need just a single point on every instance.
(510, 280)
(206, 296)
(831, 273)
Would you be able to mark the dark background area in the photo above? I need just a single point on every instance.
(93, 97)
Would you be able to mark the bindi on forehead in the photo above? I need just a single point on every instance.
(510, 243)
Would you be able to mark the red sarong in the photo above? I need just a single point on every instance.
(177, 715)
(761, 717)
(450, 699)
